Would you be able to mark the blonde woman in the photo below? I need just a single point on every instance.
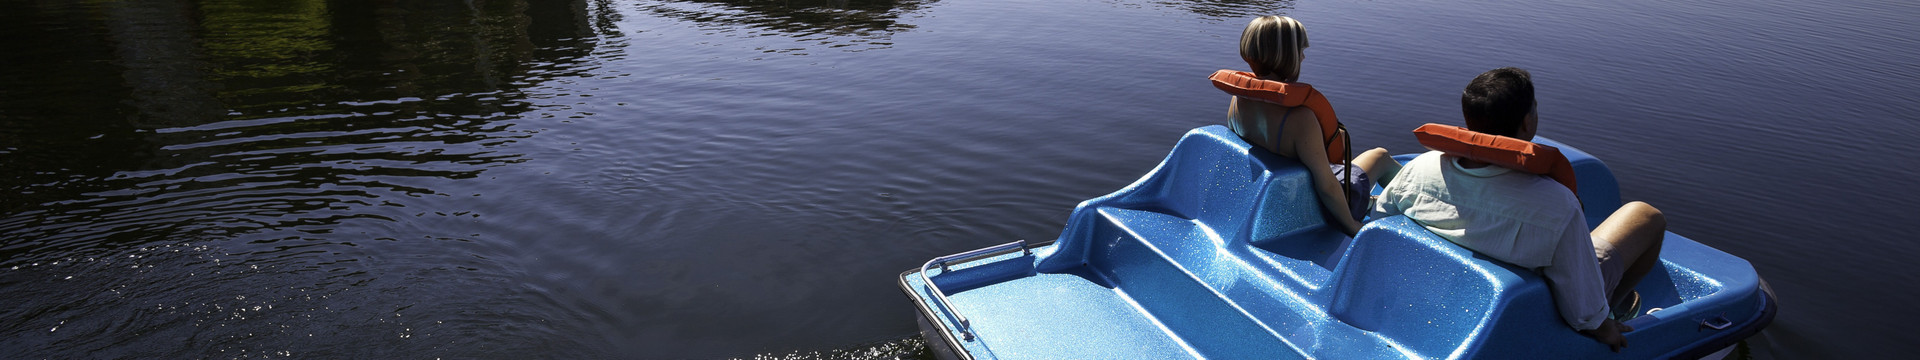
(1267, 98)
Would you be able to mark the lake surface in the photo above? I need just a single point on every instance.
(731, 179)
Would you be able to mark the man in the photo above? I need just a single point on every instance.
(1529, 220)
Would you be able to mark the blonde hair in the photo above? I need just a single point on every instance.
(1271, 45)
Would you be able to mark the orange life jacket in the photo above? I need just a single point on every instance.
(1244, 84)
(1499, 150)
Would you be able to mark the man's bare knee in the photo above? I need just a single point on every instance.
(1645, 214)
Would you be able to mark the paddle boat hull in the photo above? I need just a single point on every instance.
(1222, 252)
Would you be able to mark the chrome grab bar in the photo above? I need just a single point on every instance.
(966, 328)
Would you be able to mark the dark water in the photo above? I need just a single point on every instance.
(719, 179)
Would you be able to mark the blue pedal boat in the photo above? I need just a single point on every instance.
(1222, 252)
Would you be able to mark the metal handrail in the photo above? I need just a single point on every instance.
(966, 328)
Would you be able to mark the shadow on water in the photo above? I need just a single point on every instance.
(177, 172)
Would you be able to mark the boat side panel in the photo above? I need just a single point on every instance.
(1599, 190)
(1694, 284)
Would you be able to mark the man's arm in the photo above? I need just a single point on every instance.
(1389, 201)
(1578, 288)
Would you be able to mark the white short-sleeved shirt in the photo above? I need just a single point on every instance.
(1520, 218)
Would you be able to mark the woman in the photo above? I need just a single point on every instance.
(1271, 94)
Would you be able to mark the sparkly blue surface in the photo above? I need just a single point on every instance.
(1222, 252)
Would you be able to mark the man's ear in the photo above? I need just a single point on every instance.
(1531, 124)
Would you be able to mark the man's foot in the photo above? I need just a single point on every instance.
(1628, 310)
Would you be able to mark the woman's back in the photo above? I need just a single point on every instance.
(1270, 110)
(1278, 129)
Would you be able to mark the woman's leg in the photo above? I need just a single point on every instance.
(1378, 164)
(1634, 233)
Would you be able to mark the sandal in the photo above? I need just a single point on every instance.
(1632, 310)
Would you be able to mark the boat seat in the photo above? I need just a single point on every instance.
(1210, 178)
(1436, 295)
(1239, 196)
(1158, 241)
(1222, 228)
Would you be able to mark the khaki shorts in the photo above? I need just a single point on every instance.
(1612, 268)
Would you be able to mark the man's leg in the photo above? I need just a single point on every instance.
(1634, 233)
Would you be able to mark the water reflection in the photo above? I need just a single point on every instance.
(238, 116)
(182, 172)
(839, 24)
(1231, 9)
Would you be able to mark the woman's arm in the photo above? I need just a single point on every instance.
(1302, 133)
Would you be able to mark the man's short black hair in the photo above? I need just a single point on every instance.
(1497, 102)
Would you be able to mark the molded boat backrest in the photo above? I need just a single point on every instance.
(1217, 179)
(1214, 178)
(1288, 205)
(1599, 191)
(1428, 294)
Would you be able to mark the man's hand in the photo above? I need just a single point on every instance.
(1609, 333)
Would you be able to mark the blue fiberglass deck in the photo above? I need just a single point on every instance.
(1222, 252)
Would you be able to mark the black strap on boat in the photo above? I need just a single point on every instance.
(1346, 185)
(1340, 131)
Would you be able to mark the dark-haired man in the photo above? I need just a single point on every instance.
(1529, 220)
